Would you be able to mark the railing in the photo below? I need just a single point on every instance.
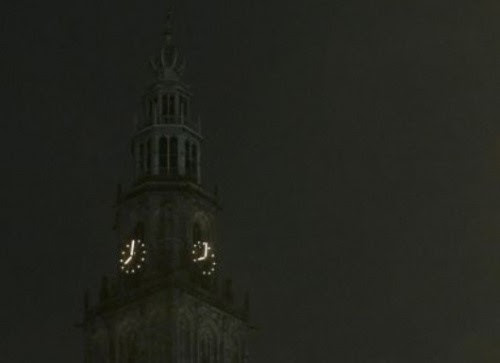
(172, 120)
(165, 174)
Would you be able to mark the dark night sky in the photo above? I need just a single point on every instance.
(355, 145)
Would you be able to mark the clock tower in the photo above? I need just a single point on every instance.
(165, 302)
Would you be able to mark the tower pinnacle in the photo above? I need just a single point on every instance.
(170, 64)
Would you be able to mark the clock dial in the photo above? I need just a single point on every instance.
(203, 257)
(133, 256)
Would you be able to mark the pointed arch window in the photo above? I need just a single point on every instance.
(194, 162)
(138, 232)
(164, 105)
(129, 349)
(163, 153)
(187, 344)
(99, 351)
(187, 158)
(122, 348)
(168, 106)
(152, 106)
(148, 156)
(171, 105)
(236, 352)
(197, 233)
(149, 109)
(141, 158)
(132, 348)
(183, 105)
(205, 351)
(173, 156)
(208, 348)
(185, 335)
(161, 223)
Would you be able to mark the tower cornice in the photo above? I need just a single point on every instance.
(165, 127)
(160, 184)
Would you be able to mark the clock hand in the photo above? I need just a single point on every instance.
(205, 252)
(132, 247)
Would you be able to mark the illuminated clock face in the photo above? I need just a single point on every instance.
(203, 257)
(133, 256)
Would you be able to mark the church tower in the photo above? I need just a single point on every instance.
(165, 303)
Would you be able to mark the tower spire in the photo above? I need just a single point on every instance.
(170, 64)
(169, 26)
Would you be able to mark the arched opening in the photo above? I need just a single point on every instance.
(171, 105)
(208, 348)
(122, 348)
(236, 352)
(183, 105)
(164, 105)
(140, 157)
(132, 348)
(151, 108)
(197, 233)
(194, 162)
(148, 157)
(173, 156)
(157, 339)
(187, 158)
(138, 232)
(155, 110)
(128, 345)
(161, 224)
(186, 340)
(163, 153)
(99, 349)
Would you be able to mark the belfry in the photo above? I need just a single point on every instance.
(165, 302)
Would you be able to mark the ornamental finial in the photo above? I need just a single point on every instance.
(169, 25)
(170, 64)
